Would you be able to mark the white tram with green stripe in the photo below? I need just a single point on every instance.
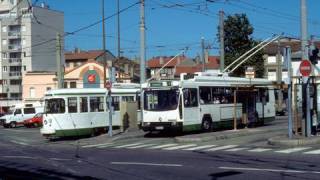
(79, 112)
(206, 101)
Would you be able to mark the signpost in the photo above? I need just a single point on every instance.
(305, 70)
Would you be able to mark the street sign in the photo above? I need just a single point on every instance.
(108, 85)
(305, 68)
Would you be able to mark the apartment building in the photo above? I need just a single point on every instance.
(27, 43)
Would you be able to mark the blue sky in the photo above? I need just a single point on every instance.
(176, 24)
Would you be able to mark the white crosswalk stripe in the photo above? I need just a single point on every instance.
(259, 150)
(179, 147)
(236, 149)
(313, 152)
(95, 145)
(162, 146)
(222, 148)
(105, 146)
(128, 145)
(291, 150)
(199, 147)
(140, 146)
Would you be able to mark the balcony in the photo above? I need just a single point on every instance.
(14, 47)
(15, 61)
(15, 74)
(14, 34)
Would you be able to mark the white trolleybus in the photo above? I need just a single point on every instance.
(79, 112)
(206, 101)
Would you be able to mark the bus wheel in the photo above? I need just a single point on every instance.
(206, 125)
(13, 124)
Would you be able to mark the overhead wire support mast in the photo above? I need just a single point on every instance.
(245, 59)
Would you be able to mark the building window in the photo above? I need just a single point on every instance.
(4, 55)
(4, 68)
(4, 28)
(73, 84)
(15, 82)
(65, 85)
(4, 42)
(4, 82)
(32, 92)
(48, 88)
(24, 68)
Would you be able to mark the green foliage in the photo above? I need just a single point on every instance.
(238, 40)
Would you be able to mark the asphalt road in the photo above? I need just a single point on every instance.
(24, 154)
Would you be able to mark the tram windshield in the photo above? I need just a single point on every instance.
(54, 106)
(161, 100)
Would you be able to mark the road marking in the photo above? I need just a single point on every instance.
(291, 150)
(140, 146)
(95, 145)
(236, 149)
(179, 147)
(128, 145)
(259, 150)
(60, 159)
(18, 142)
(313, 152)
(19, 157)
(271, 170)
(146, 164)
(162, 146)
(104, 146)
(222, 148)
(199, 147)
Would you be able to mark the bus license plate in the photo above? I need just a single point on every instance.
(159, 127)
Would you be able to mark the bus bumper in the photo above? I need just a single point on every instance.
(161, 126)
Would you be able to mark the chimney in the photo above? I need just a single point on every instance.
(206, 56)
(161, 60)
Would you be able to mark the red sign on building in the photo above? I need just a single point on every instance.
(91, 78)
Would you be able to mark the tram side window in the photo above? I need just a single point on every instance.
(83, 104)
(190, 97)
(116, 103)
(127, 98)
(72, 105)
(55, 106)
(262, 93)
(96, 104)
(205, 95)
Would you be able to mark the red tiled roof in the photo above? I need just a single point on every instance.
(85, 55)
(155, 62)
(213, 63)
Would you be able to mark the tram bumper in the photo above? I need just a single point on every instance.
(161, 126)
(47, 132)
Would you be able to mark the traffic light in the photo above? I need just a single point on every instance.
(314, 56)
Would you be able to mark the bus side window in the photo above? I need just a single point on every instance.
(190, 97)
(83, 104)
(72, 105)
(205, 95)
(18, 111)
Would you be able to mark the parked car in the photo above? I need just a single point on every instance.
(36, 121)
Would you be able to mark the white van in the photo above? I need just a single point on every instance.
(20, 112)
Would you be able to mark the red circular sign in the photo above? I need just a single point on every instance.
(91, 78)
(305, 68)
(108, 85)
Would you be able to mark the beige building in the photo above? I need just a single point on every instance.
(87, 75)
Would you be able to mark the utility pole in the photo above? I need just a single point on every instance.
(221, 33)
(306, 125)
(287, 56)
(118, 27)
(279, 76)
(142, 55)
(203, 54)
(59, 63)
(105, 71)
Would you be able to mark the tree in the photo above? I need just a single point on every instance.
(238, 40)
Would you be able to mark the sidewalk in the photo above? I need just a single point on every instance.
(294, 141)
(228, 134)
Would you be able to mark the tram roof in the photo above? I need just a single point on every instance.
(74, 91)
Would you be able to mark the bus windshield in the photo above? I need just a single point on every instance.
(161, 100)
(54, 106)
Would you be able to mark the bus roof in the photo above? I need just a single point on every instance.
(75, 91)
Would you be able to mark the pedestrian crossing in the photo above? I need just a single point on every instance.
(204, 148)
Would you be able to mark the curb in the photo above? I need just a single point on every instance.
(284, 141)
(223, 136)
